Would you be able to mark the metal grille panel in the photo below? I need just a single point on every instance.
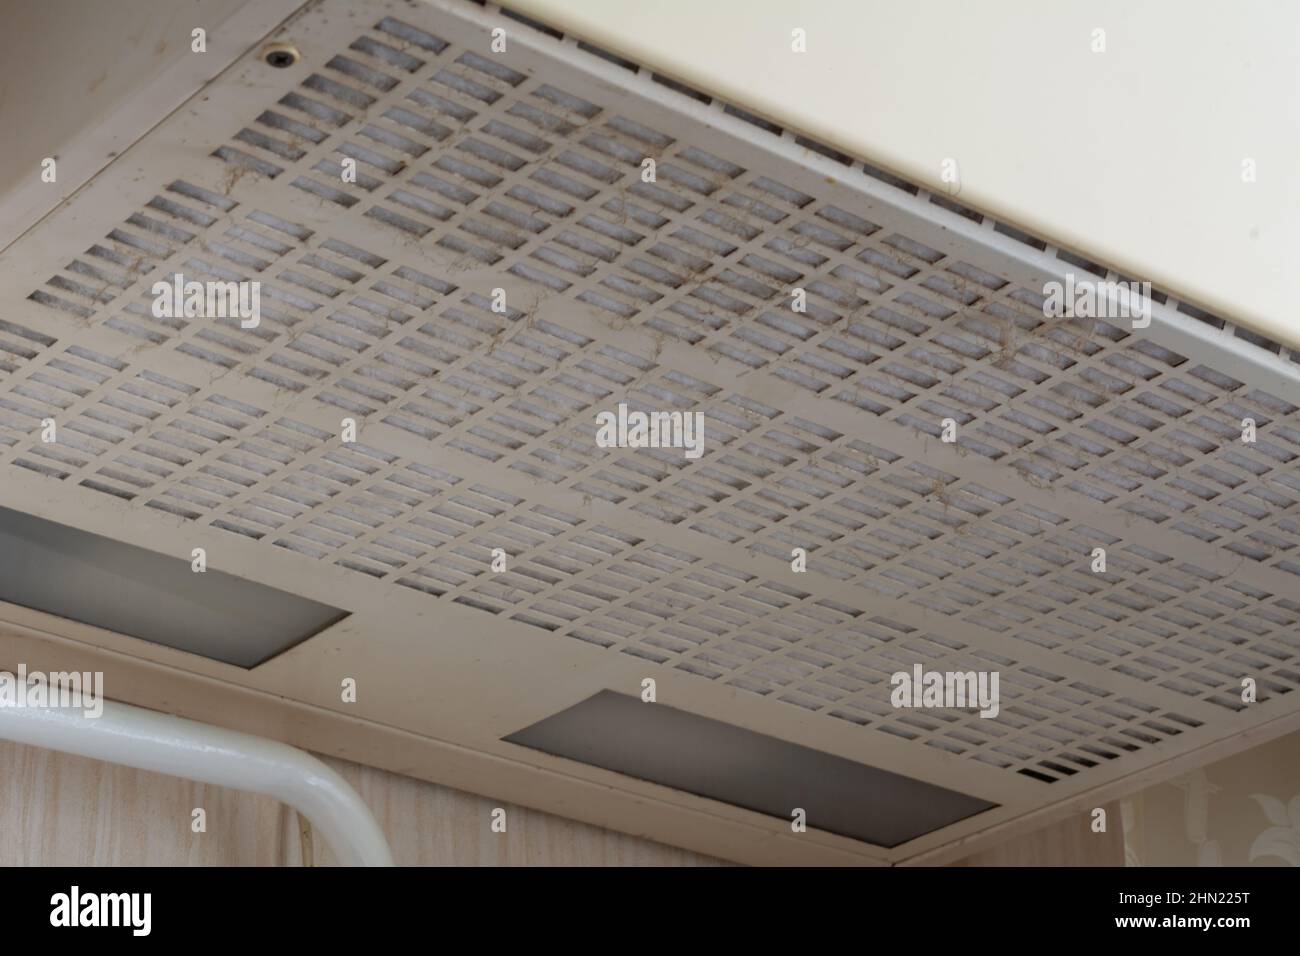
(522, 171)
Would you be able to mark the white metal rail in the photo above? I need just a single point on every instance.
(147, 740)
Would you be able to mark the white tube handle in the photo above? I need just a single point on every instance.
(148, 740)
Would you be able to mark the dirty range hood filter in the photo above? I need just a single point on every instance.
(713, 759)
(105, 583)
(882, 383)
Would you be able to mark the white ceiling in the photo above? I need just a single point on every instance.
(1135, 152)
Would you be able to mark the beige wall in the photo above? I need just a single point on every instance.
(57, 809)
(60, 810)
(1242, 811)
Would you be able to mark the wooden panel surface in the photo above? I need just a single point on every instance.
(61, 810)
